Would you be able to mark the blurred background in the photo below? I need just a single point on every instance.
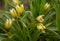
(2, 4)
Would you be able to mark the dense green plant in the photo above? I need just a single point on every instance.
(24, 25)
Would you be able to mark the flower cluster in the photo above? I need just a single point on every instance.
(40, 19)
(40, 25)
(14, 12)
(19, 8)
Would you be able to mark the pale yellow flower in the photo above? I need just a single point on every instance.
(46, 6)
(8, 24)
(13, 13)
(20, 9)
(16, 2)
(40, 26)
(40, 18)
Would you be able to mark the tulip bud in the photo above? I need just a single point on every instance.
(40, 19)
(47, 6)
(8, 24)
(19, 9)
(16, 2)
(13, 13)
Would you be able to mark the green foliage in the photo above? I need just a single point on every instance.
(25, 27)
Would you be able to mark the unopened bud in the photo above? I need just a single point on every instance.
(47, 6)
(19, 9)
(13, 13)
(16, 2)
(8, 24)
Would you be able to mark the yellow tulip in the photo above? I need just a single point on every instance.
(8, 24)
(19, 9)
(13, 13)
(40, 19)
(40, 26)
(16, 2)
(47, 6)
